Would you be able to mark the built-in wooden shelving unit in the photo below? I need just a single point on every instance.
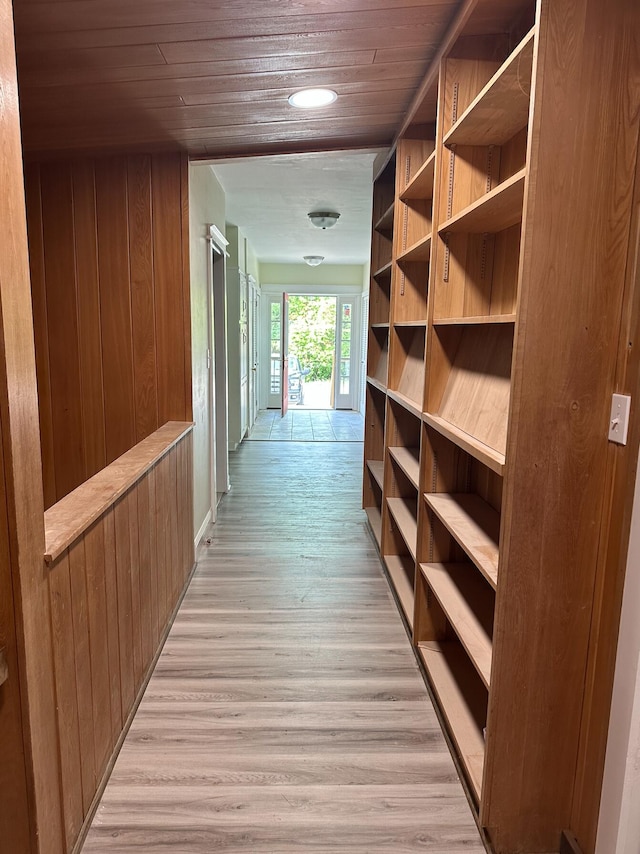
(483, 426)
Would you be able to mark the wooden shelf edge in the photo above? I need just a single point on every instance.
(385, 223)
(376, 467)
(383, 271)
(379, 386)
(407, 324)
(467, 516)
(418, 251)
(503, 203)
(422, 181)
(468, 608)
(483, 453)
(379, 325)
(445, 663)
(401, 585)
(406, 521)
(524, 50)
(375, 521)
(477, 320)
(410, 405)
(408, 463)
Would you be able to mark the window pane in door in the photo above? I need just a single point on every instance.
(275, 347)
(345, 348)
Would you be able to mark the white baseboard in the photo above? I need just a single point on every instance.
(202, 529)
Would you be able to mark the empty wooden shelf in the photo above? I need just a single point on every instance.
(408, 460)
(376, 467)
(401, 571)
(495, 211)
(380, 386)
(418, 251)
(385, 224)
(474, 320)
(410, 405)
(383, 273)
(421, 185)
(501, 109)
(474, 524)
(463, 701)
(468, 604)
(469, 443)
(375, 520)
(404, 514)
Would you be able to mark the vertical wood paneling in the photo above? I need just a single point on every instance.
(162, 538)
(142, 295)
(40, 329)
(134, 573)
(113, 623)
(169, 285)
(173, 520)
(59, 262)
(144, 557)
(125, 628)
(80, 621)
(110, 273)
(89, 323)
(113, 264)
(153, 556)
(66, 697)
(101, 689)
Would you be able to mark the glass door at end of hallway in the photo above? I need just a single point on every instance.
(321, 355)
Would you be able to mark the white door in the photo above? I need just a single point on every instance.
(347, 353)
(364, 326)
(244, 356)
(274, 339)
(254, 350)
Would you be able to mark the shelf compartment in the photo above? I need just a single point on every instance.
(374, 383)
(496, 211)
(475, 526)
(468, 604)
(408, 460)
(406, 402)
(378, 358)
(421, 185)
(501, 109)
(375, 520)
(406, 367)
(470, 388)
(463, 701)
(383, 274)
(401, 572)
(376, 467)
(483, 453)
(474, 321)
(418, 251)
(411, 281)
(404, 514)
(384, 225)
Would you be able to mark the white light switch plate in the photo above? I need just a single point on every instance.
(619, 419)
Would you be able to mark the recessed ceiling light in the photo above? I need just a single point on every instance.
(308, 98)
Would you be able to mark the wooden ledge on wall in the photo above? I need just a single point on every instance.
(73, 514)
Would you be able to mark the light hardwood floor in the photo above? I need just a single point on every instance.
(286, 713)
(308, 425)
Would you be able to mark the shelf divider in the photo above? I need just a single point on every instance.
(474, 524)
(468, 603)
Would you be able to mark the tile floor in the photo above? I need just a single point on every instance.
(308, 425)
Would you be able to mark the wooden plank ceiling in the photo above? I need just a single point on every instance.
(213, 78)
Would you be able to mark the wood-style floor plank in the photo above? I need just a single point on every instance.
(286, 712)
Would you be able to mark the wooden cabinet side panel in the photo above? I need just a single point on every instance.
(572, 272)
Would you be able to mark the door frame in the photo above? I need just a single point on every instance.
(217, 345)
(271, 292)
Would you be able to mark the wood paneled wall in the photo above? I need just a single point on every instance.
(112, 593)
(109, 252)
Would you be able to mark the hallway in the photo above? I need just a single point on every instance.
(286, 712)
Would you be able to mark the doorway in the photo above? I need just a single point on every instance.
(316, 339)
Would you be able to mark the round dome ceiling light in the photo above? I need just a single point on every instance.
(324, 219)
(307, 99)
(313, 260)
